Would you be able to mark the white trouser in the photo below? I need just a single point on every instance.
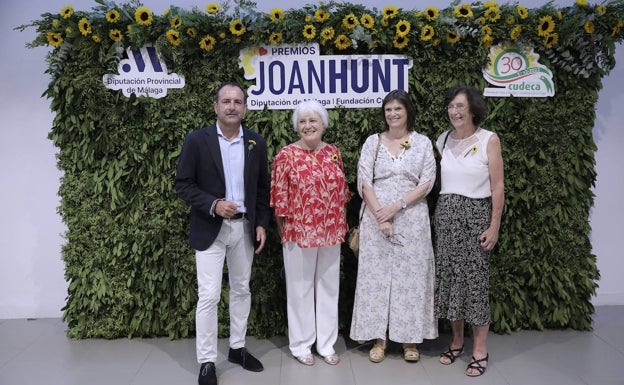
(312, 287)
(234, 243)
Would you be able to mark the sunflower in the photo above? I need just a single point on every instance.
(96, 38)
(335, 157)
(207, 43)
(212, 8)
(403, 27)
(84, 26)
(481, 21)
(115, 35)
(510, 20)
(173, 37)
(492, 14)
(350, 21)
(436, 42)
(601, 9)
(487, 40)
(367, 21)
(463, 10)
(581, 3)
(431, 13)
(56, 23)
(546, 26)
(515, 32)
(275, 38)
(309, 31)
(192, 32)
(390, 11)
(176, 22)
(222, 35)
(522, 12)
(490, 4)
(589, 27)
(385, 21)
(308, 19)
(342, 42)
(55, 39)
(276, 15)
(400, 42)
(113, 16)
(551, 40)
(452, 37)
(67, 12)
(321, 15)
(143, 16)
(327, 34)
(427, 33)
(487, 30)
(237, 28)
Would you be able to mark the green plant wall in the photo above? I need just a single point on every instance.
(130, 270)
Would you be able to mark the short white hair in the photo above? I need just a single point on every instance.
(311, 105)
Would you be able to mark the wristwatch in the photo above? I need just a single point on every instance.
(403, 203)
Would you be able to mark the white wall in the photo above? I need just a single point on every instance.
(32, 274)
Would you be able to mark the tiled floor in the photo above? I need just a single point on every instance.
(38, 352)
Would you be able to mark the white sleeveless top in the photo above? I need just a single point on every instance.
(464, 165)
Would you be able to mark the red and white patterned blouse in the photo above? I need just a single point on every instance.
(309, 189)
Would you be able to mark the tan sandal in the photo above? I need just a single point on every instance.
(410, 353)
(378, 352)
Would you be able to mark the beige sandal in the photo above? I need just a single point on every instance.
(410, 353)
(378, 352)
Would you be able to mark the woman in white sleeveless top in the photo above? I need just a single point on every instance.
(467, 221)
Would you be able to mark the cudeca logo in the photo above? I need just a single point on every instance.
(143, 74)
(516, 72)
(286, 75)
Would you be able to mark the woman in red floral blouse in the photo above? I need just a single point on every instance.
(309, 192)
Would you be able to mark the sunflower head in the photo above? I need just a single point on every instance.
(55, 39)
(276, 15)
(113, 16)
(309, 32)
(67, 12)
(143, 16)
(321, 15)
(342, 42)
(431, 13)
(237, 28)
(350, 21)
(275, 38)
(212, 8)
(546, 26)
(173, 37)
(207, 43)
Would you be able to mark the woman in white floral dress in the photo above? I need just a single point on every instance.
(394, 296)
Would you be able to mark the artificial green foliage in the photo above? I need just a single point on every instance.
(129, 268)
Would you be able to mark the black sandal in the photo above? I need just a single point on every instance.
(475, 364)
(451, 354)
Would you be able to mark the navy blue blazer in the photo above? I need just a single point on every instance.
(200, 180)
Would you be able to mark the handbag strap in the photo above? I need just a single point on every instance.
(374, 161)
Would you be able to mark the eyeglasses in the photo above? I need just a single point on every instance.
(458, 107)
(396, 239)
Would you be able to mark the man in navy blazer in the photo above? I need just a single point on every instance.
(223, 175)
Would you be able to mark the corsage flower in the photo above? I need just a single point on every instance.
(335, 158)
(252, 143)
(406, 144)
(472, 150)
